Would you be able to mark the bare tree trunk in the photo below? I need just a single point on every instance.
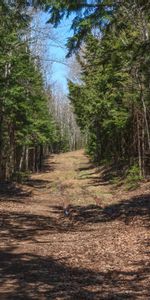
(11, 154)
(1, 148)
(41, 157)
(139, 145)
(33, 160)
(22, 159)
(27, 159)
(143, 148)
(146, 120)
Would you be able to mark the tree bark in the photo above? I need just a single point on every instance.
(139, 145)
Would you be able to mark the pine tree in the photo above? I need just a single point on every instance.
(26, 125)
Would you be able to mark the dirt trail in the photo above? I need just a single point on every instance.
(100, 251)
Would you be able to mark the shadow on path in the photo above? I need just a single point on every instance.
(125, 210)
(103, 175)
(27, 276)
(25, 226)
(37, 183)
(12, 192)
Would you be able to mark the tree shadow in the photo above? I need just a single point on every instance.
(29, 276)
(105, 175)
(126, 211)
(87, 167)
(13, 192)
(26, 226)
(134, 209)
(37, 183)
(48, 167)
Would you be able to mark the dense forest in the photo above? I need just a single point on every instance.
(32, 124)
(110, 99)
(75, 149)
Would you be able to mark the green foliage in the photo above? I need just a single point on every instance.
(133, 177)
(20, 177)
(25, 120)
(87, 15)
(111, 101)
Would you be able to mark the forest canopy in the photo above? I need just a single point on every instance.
(111, 39)
(111, 100)
(29, 127)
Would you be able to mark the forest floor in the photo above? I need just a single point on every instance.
(100, 251)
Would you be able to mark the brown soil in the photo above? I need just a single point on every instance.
(100, 251)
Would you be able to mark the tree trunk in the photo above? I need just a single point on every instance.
(143, 148)
(139, 145)
(22, 159)
(27, 159)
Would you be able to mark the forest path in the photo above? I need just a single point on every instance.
(101, 251)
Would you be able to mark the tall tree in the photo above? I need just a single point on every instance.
(26, 124)
(112, 101)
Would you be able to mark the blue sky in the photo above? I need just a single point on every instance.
(53, 49)
(60, 70)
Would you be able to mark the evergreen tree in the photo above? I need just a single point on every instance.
(25, 123)
(112, 102)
